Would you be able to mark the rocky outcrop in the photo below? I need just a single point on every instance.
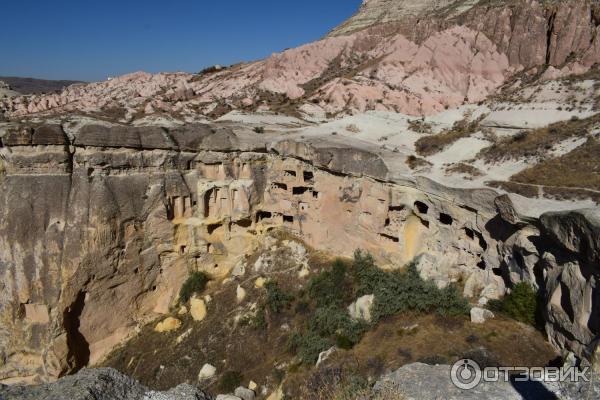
(99, 384)
(113, 217)
(571, 276)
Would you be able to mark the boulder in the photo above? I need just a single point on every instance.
(361, 308)
(324, 355)
(168, 324)
(480, 315)
(207, 372)
(197, 309)
(244, 393)
(240, 294)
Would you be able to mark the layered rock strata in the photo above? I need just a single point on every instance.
(103, 222)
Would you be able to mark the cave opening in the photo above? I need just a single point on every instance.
(212, 228)
(446, 219)
(299, 190)
(260, 215)
(79, 348)
(308, 176)
(422, 208)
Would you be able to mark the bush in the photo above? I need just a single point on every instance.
(394, 292)
(259, 320)
(332, 321)
(194, 284)
(229, 381)
(277, 300)
(400, 291)
(309, 345)
(327, 287)
(521, 304)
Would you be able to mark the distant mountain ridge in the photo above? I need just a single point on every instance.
(35, 86)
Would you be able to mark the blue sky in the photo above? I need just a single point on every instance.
(90, 40)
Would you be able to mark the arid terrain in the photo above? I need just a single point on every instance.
(341, 220)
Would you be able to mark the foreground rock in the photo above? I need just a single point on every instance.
(98, 384)
(429, 382)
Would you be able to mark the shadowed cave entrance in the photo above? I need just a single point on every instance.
(79, 348)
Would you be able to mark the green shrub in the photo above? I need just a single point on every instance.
(229, 381)
(400, 291)
(194, 284)
(309, 345)
(521, 304)
(394, 292)
(277, 300)
(327, 287)
(334, 321)
(259, 320)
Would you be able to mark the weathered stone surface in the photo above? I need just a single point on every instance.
(49, 135)
(244, 393)
(124, 136)
(480, 315)
(361, 308)
(206, 372)
(98, 384)
(422, 381)
(167, 325)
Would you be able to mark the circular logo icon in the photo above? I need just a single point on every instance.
(465, 374)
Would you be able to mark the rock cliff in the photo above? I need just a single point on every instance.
(101, 217)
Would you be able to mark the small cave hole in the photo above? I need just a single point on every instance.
(288, 219)
(315, 194)
(278, 185)
(470, 234)
(482, 265)
(446, 219)
(389, 237)
(289, 172)
(244, 223)
(422, 208)
(182, 249)
(212, 228)
(299, 190)
(260, 215)
(497, 271)
(308, 176)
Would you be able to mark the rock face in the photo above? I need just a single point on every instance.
(94, 223)
(98, 384)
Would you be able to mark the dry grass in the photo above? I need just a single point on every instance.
(342, 393)
(432, 144)
(465, 169)
(537, 142)
(529, 191)
(578, 169)
(415, 162)
(419, 126)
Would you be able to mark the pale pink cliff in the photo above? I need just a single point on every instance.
(401, 66)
